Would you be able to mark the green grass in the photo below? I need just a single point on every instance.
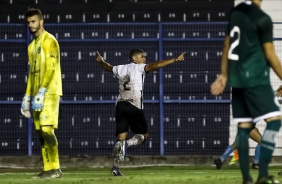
(136, 175)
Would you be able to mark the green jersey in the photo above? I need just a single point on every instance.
(249, 28)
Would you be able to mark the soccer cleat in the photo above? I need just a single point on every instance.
(122, 151)
(267, 180)
(235, 157)
(255, 166)
(57, 173)
(218, 163)
(116, 171)
(233, 161)
(43, 174)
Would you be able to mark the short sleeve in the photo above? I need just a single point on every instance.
(141, 68)
(119, 70)
(265, 27)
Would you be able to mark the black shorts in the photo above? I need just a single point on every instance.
(129, 116)
(254, 104)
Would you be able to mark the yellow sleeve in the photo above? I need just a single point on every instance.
(50, 48)
(28, 86)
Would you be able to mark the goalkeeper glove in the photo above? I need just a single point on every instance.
(25, 106)
(38, 100)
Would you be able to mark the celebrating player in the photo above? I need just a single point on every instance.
(254, 135)
(44, 88)
(129, 106)
(248, 54)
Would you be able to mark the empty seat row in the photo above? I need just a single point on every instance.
(132, 31)
(195, 146)
(105, 97)
(88, 17)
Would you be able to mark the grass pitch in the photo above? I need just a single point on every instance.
(136, 175)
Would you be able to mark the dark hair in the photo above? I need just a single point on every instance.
(134, 52)
(32, 11)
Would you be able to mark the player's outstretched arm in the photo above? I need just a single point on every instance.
(163, 63)
(103, 63)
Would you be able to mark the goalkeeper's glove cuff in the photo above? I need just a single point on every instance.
(42, 90)
(26, 98)
(38, 101)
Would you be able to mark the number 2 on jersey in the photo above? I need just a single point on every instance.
(231, 55)
(125, 84)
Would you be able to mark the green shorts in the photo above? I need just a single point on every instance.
(254, 104)
(49, 114)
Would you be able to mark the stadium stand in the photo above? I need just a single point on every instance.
(163, 29)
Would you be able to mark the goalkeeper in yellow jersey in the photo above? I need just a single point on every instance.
(43, 91)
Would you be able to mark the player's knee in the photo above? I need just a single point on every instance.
(246, 125)
(41, 139)
(49, 136)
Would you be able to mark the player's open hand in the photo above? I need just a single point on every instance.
(99, 58)
(279, 91)
(180, 57)
(218, 85)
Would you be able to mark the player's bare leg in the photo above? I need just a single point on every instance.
(256, 136)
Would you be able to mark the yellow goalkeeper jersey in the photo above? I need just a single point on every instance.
(44, 62)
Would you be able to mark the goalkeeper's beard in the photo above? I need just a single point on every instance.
(36, 29)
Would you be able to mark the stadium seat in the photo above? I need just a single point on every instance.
(173, 16)
(6, 2)
(121, 17)
(152, 77)
(21, 1)
(4, 18)
(49, 1)
(96, 17)
(70, 17)
(146, 17)
(219, 15)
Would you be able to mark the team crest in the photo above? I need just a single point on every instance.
(38, 50)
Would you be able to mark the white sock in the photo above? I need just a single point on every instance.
(135, 140)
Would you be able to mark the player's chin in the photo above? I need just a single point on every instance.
(32, 31)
